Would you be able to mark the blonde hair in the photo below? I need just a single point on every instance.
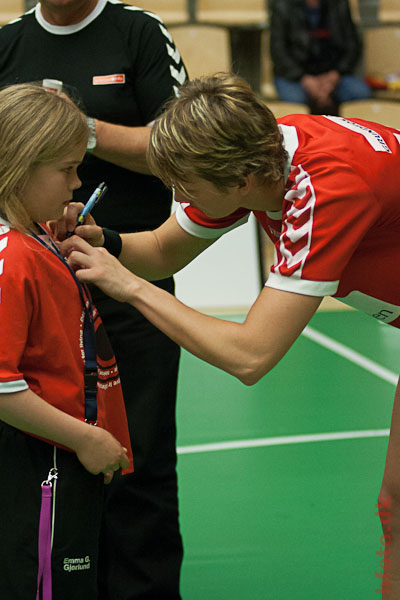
(217, 129)
(36, 128)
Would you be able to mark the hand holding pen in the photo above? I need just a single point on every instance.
(90, 204)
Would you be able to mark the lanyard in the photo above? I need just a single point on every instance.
(89, 336)
(44, 539)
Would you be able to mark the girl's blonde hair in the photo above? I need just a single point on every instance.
(218, 130)
(36, 128)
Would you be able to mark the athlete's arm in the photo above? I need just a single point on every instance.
(96, 448)
(152, 255)
(161, 253)
(121, 145)
(248, 350)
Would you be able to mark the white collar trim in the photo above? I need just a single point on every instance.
(290, 143)
(68, 29)
(3, 221)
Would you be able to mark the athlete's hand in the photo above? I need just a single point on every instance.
(100, 452)
(96, 265)
(91, 232)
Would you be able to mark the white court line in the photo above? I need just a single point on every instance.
(338, 348)
(351, 355)
(283, 440)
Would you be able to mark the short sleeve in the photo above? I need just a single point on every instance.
(196, 223)
(158, 70)
(327, 212)
(16, 301)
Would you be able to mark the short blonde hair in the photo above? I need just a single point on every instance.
(36, 128)
(218, 130)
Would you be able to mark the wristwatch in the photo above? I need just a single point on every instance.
(92, 141)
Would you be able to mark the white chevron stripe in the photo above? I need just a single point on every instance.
(174, 54)
(180, 76)
(166, 33)
(150, 14)
(3, 244)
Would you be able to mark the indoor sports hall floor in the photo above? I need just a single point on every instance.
(273, 506)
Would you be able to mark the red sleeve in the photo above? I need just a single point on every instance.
(16, 301)
(327, 211)
(195, 222)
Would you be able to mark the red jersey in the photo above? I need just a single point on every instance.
(338, 233)
(41, 339)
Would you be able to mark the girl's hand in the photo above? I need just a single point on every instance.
(65, 226)
(100, 452)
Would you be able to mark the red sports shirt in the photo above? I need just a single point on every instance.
(41, 335)
(338, 233)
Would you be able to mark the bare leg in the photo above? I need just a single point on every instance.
(389, 512)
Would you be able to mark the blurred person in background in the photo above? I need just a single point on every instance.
(315, 50)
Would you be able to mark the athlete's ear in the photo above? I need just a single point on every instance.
(246, 184)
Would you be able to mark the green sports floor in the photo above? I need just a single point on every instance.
(279, 481)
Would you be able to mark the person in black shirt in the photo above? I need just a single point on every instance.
(119, 64)
(315, 49)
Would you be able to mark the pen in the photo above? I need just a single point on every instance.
(93, 200)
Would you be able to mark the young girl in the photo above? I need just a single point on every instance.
(58, 375)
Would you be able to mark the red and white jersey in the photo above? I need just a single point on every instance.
(338, 233)
(41, 335)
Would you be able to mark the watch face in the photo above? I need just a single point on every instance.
(91, 145)
(92, 141)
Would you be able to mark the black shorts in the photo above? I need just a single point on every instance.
(77, 509)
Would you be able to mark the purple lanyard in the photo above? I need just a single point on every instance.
(44, 548)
